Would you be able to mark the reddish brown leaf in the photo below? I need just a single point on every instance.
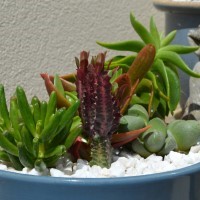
(142, 63)
(61, 100)
(124, 138)
(80, 149)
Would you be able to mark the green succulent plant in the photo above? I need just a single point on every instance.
(160, 88)
(160, 138)
(35, 134)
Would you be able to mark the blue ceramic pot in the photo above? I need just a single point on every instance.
(182, 184)
(181, 16)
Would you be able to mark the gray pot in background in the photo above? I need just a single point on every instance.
(181, 16)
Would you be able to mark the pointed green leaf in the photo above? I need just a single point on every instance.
(14, 118)
(3, 107)
(7, 145)
(155, 33)
(174, 58)
(180, 49)
(74, 133)
(25, 157)
(130, 45)
(144, 34)
(161, 69)
(174, 92)
(25, 110)
(168, 39)
(58, 85)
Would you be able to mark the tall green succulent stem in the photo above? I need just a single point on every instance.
(101, 152)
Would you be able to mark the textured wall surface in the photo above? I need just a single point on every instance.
(45, 35)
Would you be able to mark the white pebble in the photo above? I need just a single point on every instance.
(125, 164)
(56, 173)
(195, 149)
(34, 172)
(3, 167)
(117, 169)
(81, 164)
(154, 158)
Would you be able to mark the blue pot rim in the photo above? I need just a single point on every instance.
(186, 171)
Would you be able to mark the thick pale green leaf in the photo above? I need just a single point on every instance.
(58, 85)
(155, 33)
(168, 39)
(7, 145)
(174, 92)
(144, 34)
(160, 67)
(3, 107)
(139, 148)
(180, 49)
(130, 45)
(186, 133)
(126, 60)
(174, 58)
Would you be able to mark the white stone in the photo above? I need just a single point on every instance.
(3, 167)
(117, 169)
(34, 172)
(154, 158)
(127, 165)
(81, 164)
(56, 173)
(195, 149)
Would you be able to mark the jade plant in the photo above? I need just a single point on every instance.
(35, 134)
(160, 88)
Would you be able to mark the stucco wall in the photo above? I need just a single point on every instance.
(45, 35)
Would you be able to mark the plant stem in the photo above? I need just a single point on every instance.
(101, 152)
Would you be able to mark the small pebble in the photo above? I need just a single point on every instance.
(56, 173)
(125, 164)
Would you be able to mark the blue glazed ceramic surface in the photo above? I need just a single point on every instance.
(175, 185)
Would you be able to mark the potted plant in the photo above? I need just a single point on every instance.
(106, 108)
(181, 16)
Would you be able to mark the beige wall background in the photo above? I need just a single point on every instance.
(45, 35)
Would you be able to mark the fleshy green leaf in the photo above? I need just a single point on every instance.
(144, 34)
(130, 45)
(168, 39)
(155, 33)
(174, 92)
(168, 56)
(180, 49)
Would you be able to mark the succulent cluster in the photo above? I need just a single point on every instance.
(104, 105)
(160, 138)
(35, 134)
(159, 91)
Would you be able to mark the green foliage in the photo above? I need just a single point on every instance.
(163, 83)
(160, 138)
(35, 134)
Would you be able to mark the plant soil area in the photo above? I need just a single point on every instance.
(124, 164)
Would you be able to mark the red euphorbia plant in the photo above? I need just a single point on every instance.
(101, 106)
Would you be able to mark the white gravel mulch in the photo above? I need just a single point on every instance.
(124, 165)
